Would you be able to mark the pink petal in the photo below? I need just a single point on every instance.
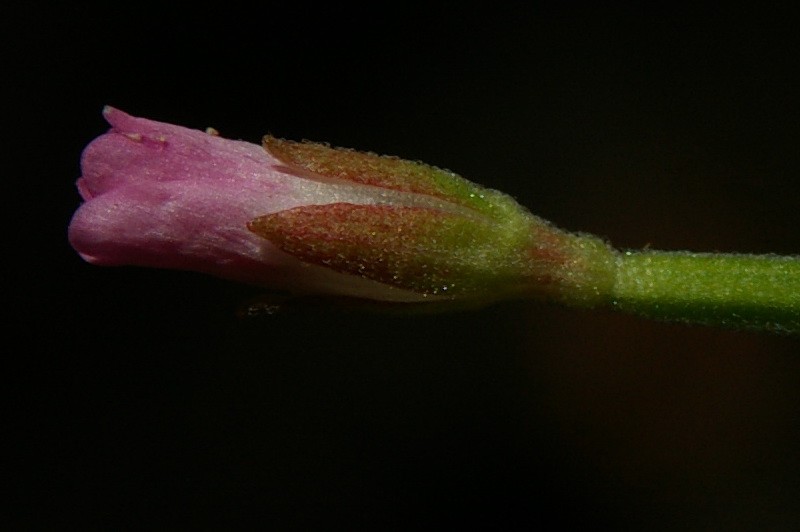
(166, 196)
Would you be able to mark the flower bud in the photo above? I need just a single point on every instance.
(309, 219)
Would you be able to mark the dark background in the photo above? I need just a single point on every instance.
(140, 399)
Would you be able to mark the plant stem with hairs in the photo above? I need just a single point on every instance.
(758, 292)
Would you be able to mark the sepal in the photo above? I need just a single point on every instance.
(394, 173)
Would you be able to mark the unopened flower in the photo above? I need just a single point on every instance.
(308, 219)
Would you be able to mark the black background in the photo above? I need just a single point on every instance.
(138, 397)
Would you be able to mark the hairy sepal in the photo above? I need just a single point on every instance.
(389, 172)
(425, 250)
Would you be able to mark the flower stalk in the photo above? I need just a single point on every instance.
(757, 292)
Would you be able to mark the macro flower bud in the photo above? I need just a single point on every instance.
(309, 219)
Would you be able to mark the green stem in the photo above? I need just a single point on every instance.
(757, 292)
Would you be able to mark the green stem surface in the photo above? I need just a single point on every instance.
(757, 292)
